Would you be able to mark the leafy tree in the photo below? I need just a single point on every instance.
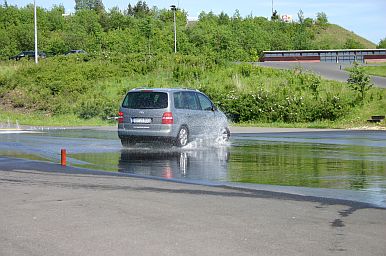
(116, 20)
(308, 22)
(301, 40)
(275, 16)
(359, 81)
(146, 28)
(55, 20)
(321, 19)
(236, 15)
(382, 44)
(95, 5)
(223, 19)
(353, 44)
(140, 9)
(301, 16)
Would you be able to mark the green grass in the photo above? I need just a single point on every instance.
(349, 122)
(8, 69)
(378, 70)
(356, 119)
(41, 119)
(334, 37)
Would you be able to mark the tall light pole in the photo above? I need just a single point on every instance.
(173, 7)
(36, 34)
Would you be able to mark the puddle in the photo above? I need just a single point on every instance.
(348, 160)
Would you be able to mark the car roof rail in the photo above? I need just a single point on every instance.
(140, 88)
(174, 88)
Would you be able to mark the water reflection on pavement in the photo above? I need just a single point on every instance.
(349, 160)
(177, 164)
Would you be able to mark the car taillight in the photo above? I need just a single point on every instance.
(120, 117)
(167, 118)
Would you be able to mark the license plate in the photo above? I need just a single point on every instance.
(137, 120)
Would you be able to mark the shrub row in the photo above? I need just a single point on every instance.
(90, 86)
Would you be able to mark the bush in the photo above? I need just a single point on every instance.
(246, 93)
(359, 81)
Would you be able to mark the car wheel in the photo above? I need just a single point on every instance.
(182, 137)
(127, 143)
(224, 134)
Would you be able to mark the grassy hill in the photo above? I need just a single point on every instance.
(71, 90)
(336, 37)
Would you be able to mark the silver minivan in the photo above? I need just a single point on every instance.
(170, 115)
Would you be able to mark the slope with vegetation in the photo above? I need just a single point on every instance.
(87, 87)
(134, 47)
(336, 37)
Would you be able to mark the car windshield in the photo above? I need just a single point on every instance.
(146, 100)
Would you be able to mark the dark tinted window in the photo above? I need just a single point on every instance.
(185, 100)
(146, 100)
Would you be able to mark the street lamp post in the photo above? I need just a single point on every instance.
(36, 34)
(174, 8)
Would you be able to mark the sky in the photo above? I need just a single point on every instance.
(365, 18)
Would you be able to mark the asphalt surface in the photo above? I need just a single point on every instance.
(71, 211)
(331, 71)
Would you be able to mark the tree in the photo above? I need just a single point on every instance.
(321, 19)
(359, 81)
(382, 44)
(353, 44)
(95, 5)
(301, 16)
(140, 9)
(275, 16)
(115, 19)
(223, 19)
(237, 15)
(301, 40)
(146, 29)
(308, 22)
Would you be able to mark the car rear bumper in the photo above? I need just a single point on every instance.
(148, 139)
(166, 133)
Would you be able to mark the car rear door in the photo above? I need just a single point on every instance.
(188, 111)
(208, 114)
(143, 110)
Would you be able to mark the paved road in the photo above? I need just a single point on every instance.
(332, 71)
(62, 211)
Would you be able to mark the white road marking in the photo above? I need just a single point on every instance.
(11, 131)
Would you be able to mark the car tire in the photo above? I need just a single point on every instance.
(127, 143)
(182, 137)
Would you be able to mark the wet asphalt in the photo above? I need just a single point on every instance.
(48, 209)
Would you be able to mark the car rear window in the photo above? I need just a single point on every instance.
(146, 100)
